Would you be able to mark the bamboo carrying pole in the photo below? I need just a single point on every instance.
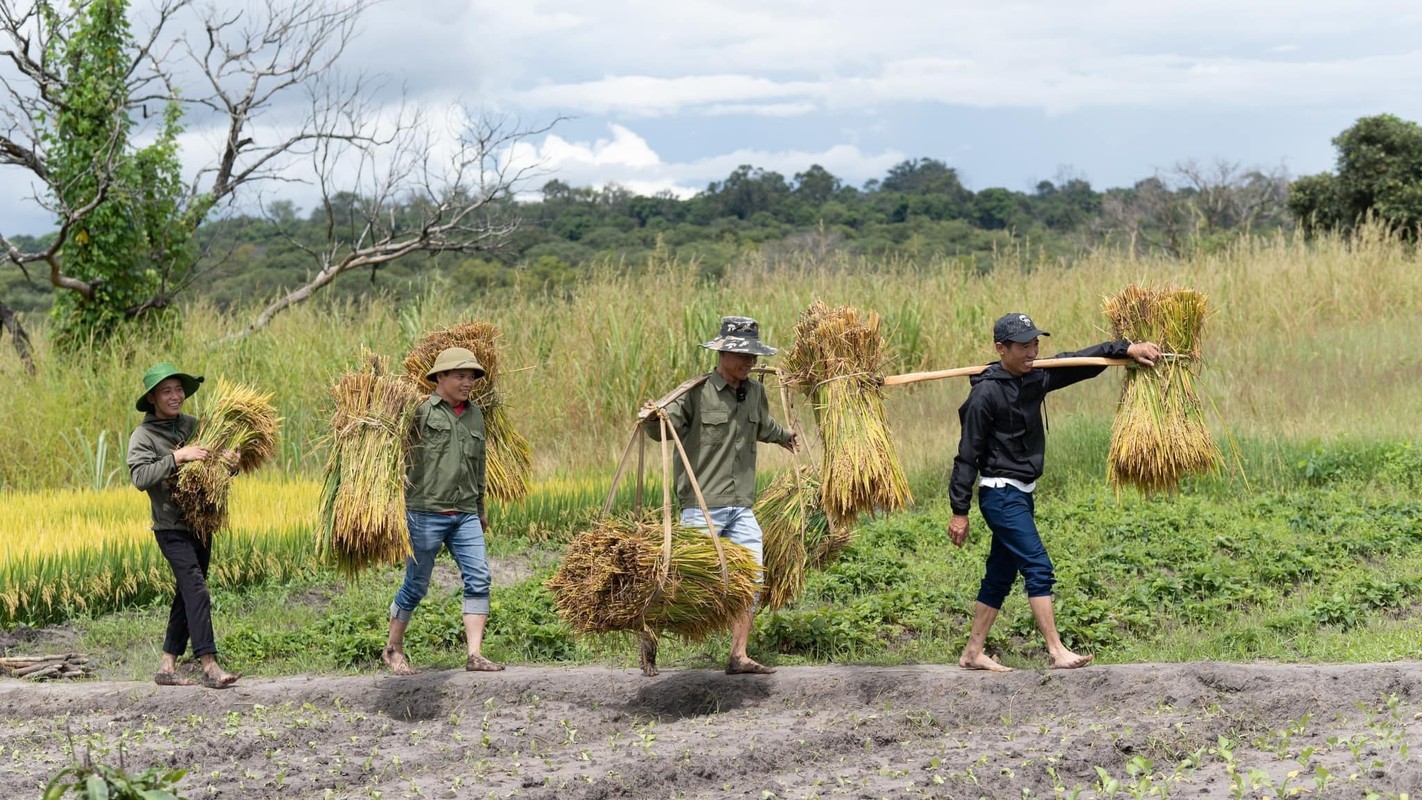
(1041, 363)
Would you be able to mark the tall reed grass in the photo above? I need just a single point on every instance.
(1312, 340)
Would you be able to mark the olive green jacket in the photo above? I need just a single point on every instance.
(720, 434)
(153, 469)
(447, 459)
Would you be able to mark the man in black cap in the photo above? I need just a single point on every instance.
(1002, 446)
(719, 421)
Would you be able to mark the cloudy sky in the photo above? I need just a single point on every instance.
(660, 95)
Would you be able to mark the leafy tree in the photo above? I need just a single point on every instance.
(1379, 173)
(816, 185)
(127, 250)
(82, 82)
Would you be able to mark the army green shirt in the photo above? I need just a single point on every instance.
(153, 469)
(720, 434)
(446, 469)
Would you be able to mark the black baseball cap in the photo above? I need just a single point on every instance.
(1016, 328)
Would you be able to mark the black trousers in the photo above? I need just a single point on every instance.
(191, 614)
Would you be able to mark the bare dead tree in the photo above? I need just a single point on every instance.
(414, 198)
(251, 61)
(21, 339)
(1224, 196)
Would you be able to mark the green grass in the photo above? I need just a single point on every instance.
(1330, 572)
(1312, 364)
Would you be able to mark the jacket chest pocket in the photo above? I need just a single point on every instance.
(715, 423)
(436, 434)
(473, 442)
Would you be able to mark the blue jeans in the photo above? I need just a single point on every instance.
(1016, 546)
(464, 537)
(736, 523)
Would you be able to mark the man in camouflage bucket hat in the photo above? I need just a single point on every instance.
(1002, 448)
(719, 422)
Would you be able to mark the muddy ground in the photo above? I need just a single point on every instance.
(858, 732)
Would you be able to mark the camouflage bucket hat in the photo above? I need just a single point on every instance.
(455, 358)
(160, 372)
(740, 335)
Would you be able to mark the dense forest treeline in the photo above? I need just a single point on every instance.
(919, 209)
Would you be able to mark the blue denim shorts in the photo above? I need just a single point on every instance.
(736, 523)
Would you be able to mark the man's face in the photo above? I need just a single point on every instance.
(736, 367)
(167, 397)
(456, 384)
(1017, 357)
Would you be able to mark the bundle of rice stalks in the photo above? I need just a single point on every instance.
(798, 534)
(1159, 434)
(509, 457)
(238, 418)
(836, 362)
(363, 500)
(610, 580)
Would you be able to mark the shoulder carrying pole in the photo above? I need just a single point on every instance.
(1041, 363)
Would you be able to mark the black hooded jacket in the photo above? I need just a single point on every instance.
(1003, 434)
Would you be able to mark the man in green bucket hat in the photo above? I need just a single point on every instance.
(157, 448)
(444, 506)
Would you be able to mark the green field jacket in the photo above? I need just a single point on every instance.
(152, 468)
(447, 459)
(720, 434)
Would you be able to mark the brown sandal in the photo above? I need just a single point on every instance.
(747, 666)
(481, 664)
(223, 681)
(172, 679)
(396, 662)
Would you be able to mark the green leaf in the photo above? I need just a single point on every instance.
(96, 788)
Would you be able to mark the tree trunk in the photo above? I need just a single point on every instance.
(18, 335)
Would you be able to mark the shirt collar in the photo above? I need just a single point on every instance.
(718, 381)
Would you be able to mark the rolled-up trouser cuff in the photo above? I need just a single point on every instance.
(477, 605)
(399, 613)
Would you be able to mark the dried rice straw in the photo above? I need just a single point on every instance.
(837, 361)
(238, 418)
(1160, 435)
(509, 457)
(363, 500)
(611, 579)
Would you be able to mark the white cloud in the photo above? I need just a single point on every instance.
(626, 159)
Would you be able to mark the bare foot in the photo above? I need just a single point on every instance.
(1069, 660)
(647, 656)
(747, 666)
(982, 661)
(396, 662)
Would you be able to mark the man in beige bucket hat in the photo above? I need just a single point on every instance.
(444, 506)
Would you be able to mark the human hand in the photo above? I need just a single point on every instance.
(484, 523)
(958, 530)
(1145, 353)
(794, 444)
(190, 453)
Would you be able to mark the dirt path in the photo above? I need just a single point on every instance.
(860, 732)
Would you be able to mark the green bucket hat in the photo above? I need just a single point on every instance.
(455, 358)
(160, 372)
